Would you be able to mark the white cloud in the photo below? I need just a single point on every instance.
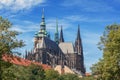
(92, 5)
(90, 41)
(17, 28)
(91, 38)
(76, 18)
(51, 23)
(82, 18)
(91, 52)
(16, 5)
(26, 26)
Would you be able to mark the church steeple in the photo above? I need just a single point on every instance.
(42, 32)
(56, 33)
(78, 43)
(61, 35)
(79, 51)
(42, 24)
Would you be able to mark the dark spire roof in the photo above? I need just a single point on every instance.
(26, 54)
(61, 35)
(78, 42)
(78, 34)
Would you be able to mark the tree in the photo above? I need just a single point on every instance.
(109, 68)
(88, 78)
(36, 72)
(8, 42)
(19, 72)
(97, 69)
(69, 77)
(16, 72)
(51, 74)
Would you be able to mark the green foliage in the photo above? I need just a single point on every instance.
(108, 68)
(69, 77)
(88, 78)
(97, 68)
(8, 42)
(15, 72)
(51, 74)
(36, 72)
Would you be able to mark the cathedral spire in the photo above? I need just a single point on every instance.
(78, 34)
(61, 35)
(79, 51)
(56, 33)
(78, 43)
(42, 24)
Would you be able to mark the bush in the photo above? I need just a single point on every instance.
(51, 75)
(69, 77)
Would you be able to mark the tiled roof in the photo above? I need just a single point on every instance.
(20, 61)
(66, 47)
(49, 44)
(87, 74)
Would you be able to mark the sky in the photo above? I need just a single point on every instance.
(92, 16)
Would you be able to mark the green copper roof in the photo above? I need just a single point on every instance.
(56, 38)
(42, 32)
(42, 23)
(56, 26)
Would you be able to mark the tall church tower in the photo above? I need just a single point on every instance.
(79, 51)
(41, 33)
(61, 36)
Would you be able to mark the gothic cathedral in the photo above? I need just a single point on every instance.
(57, 52)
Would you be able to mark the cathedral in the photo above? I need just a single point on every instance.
(57, 52)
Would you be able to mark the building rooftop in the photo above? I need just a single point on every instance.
(67, 47)
(21, 61)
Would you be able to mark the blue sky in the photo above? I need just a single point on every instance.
(91, 15)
